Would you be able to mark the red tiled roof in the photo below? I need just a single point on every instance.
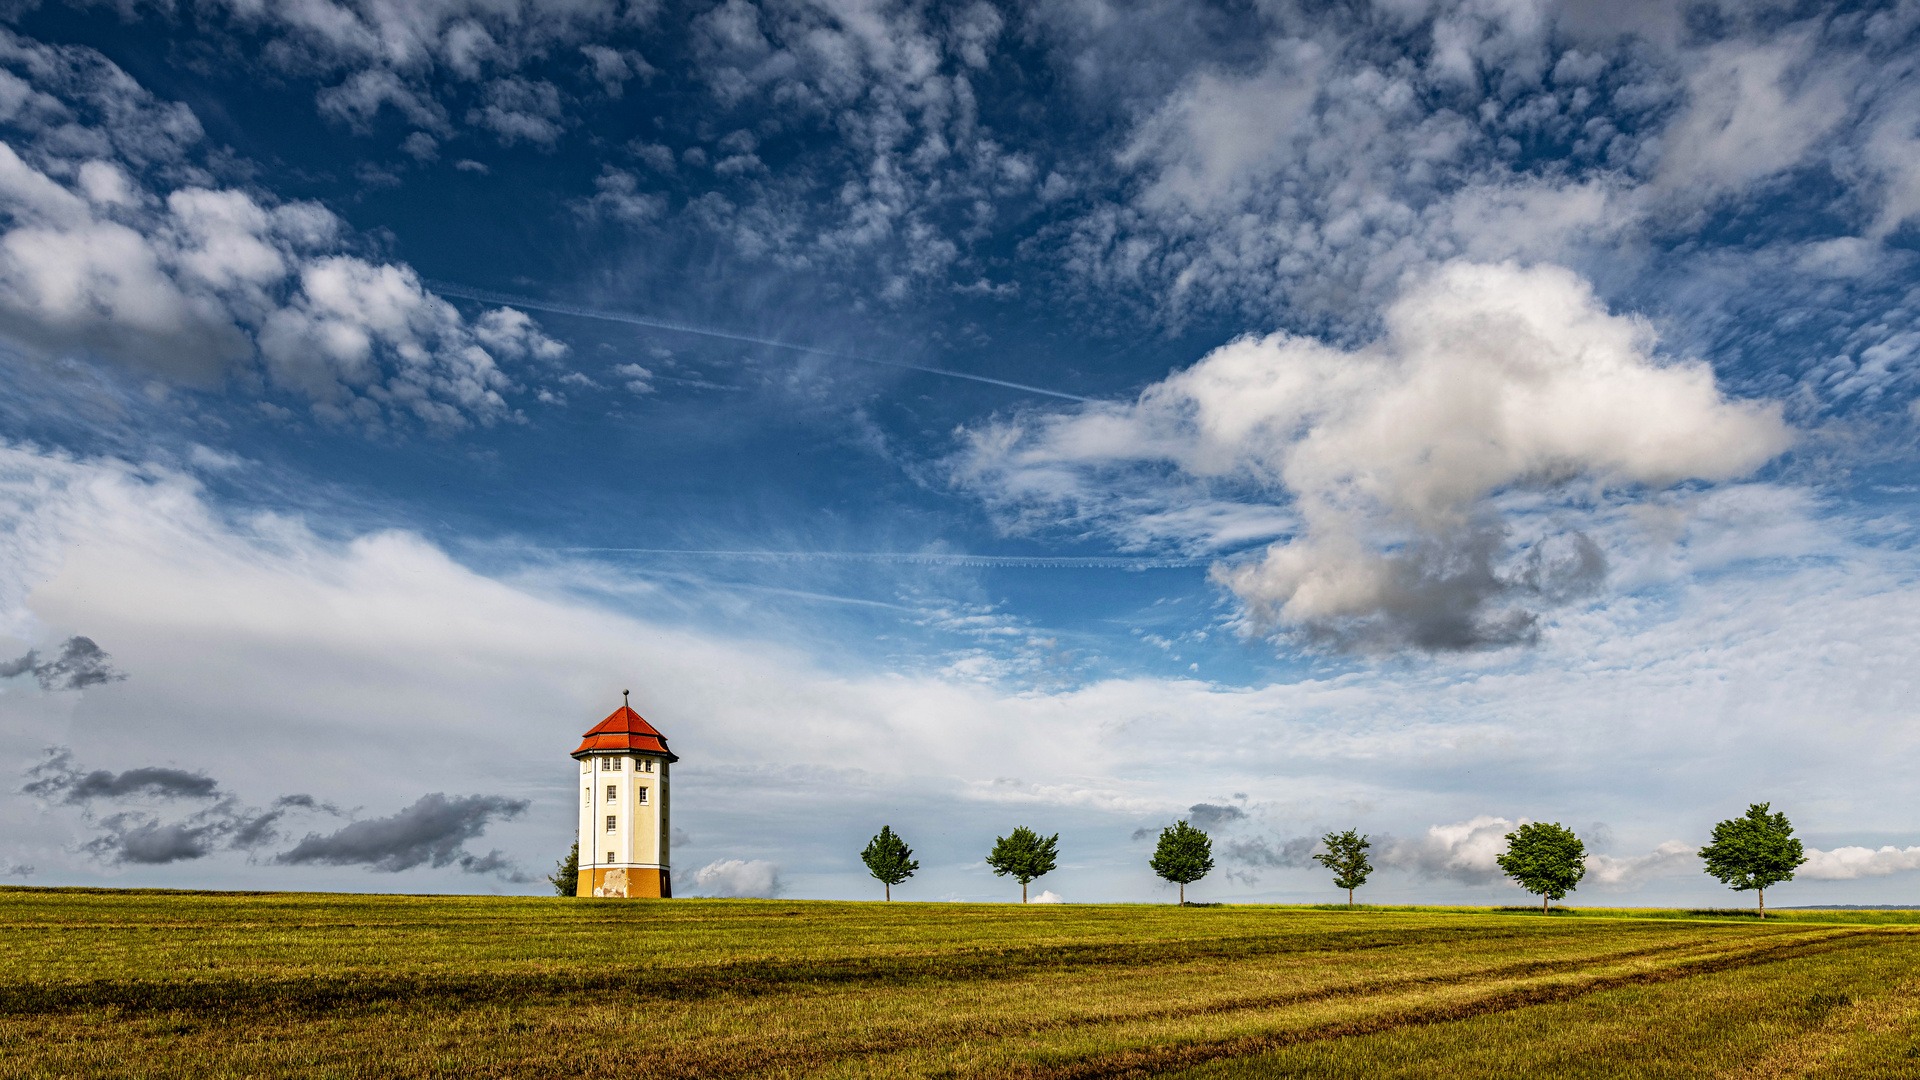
(626, 730)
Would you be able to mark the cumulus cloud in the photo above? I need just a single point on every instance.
(1462, 852)
(1851, 863)
(81, 664)
(738, 878)
(433, 831)
(121, 247)
(1488, 379)
(1048, 897)
(1628, 872)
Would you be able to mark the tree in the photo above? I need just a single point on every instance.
(1184, 856)
(566, 875)
(889, 859)
(1023, 855)
(1346, 856)
(1754, 851)
(1546, 859)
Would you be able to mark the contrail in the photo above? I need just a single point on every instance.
(487, 296)
(934, 558)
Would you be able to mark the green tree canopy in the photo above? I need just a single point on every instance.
(566, 876)
(1754, 851)
(889, 859)
(1023, 855)
(1544, 858)
(1346, 856)
(1184, 856)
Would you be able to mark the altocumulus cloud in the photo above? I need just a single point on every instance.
(1490, 379)
(433, 831)
(122, 244)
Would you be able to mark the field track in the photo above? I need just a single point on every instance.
(109, 983)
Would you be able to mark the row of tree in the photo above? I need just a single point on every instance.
(1754, 851)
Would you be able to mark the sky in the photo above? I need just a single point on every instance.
(1414, 417)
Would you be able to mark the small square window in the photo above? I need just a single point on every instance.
(640, 796)
(609, 856)
(616, 763)
(613, 792)
(613, 823)
(649, 764)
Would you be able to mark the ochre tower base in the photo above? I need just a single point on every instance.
(630, 884)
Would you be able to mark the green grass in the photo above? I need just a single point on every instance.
(123, 983)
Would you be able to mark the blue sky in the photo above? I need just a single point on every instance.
(1412, 416)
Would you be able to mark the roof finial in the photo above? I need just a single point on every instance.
(623, 700)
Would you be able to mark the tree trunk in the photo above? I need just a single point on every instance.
(889, 886)
(1023, 892)
(1183, 894)
(1543, 904)
(1349, 897)
(1763, 902)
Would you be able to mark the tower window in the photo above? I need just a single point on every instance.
(613, 823)
(640, 796)
(587, 797)
(649, 764)
(613, 792)
(609, 856)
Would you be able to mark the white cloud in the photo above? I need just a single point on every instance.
(1852, 863)
(1462, 852)
(1670, 858)
(1752, 111)
(1489, 378)
(1048, 897)
(738, 878)
(377, 655)
(196, 282)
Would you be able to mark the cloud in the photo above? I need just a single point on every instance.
(81, 664)
(19, 870)
(1670, 858)
(142, 835)
(124, 248)
(1048, 897)
(612, 68)
(1853, 863)
(517, 109)
(1210, 815)
(617, 197)
(1462, 852)
(738, 878)
(1488, 379)
(57, 779)
(1258, 851)
(360, 647)
(433, 831)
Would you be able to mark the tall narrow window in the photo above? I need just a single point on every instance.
(613, 792)
(649, 764)
(640, 796)
(587, 797)
(609, 856)
(616, 763)
(612, 823)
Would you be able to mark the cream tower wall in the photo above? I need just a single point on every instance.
(631, 859)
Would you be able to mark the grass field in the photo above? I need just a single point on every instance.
(109, 983)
